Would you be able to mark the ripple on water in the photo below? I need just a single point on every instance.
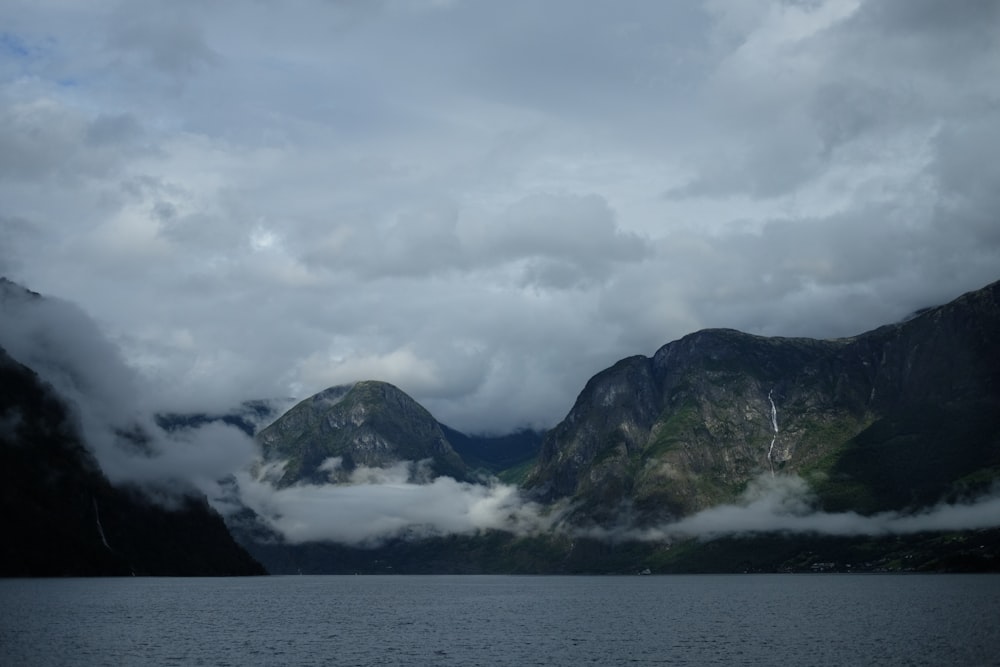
(497, 620)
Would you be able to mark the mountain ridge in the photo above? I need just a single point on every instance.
(687, 428)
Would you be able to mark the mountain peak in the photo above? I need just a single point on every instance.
(366, 424)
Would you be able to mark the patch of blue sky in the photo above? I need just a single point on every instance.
(24, 56)
(18, 47)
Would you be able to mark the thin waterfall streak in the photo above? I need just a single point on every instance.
(774, 412)
(770, 462)
(100, 528)
(774, 425)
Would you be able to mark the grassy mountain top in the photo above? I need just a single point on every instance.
(370, 424)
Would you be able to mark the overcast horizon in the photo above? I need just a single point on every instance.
(485, 203)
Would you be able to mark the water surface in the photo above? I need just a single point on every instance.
(503, 620)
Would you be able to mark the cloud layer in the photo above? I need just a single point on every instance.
(786, 504)
(109, 402)
(486, 203)
(377, 504)
(380, 504)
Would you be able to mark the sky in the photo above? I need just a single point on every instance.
(486, 203)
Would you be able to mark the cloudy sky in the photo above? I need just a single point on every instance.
(485, 202)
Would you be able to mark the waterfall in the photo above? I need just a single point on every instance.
(100, 528)
(774, 425)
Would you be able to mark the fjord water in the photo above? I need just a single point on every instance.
(504, 620)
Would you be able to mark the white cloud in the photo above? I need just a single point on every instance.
(380, 504)
(786, 504)
(109, 402)
(399, 366)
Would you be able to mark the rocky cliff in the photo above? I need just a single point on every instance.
(897, 416)
(62, 517)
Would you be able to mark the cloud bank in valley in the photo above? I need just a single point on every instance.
(378, 504)
(786, 504)
(382, 504)
(485, 203)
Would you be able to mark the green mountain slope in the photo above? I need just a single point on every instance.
(900, 416)
(370, 424)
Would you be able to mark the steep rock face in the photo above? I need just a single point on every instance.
(686, 429)
(64, 518)
(935, 403)
(590, 452)
(371, 424)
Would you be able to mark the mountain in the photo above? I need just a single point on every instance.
(370, 424)
(901, 417)
(898, 417)
(64, 518)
